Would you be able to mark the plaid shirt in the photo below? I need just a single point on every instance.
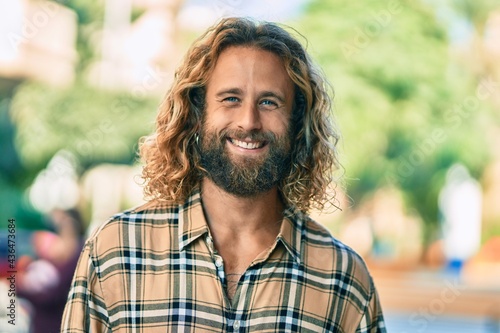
(154, 269)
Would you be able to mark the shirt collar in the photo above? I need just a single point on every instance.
(291, 232)
(192, 223)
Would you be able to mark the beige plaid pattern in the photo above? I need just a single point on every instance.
(154, 269)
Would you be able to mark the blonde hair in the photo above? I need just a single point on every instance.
(171, 155)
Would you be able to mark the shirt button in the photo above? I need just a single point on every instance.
(218, 261)
(236, 325)
(210, 243)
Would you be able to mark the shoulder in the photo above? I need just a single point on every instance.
(322, 251)
(133, 227)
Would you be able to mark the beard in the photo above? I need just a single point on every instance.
(244, 176)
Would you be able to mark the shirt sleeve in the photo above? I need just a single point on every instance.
(85, 309)
(372, 320)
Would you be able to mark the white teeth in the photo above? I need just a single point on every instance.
(247, 145)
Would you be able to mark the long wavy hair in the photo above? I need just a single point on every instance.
(171, 155)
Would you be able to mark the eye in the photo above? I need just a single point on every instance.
(267, 104)
(231, 99)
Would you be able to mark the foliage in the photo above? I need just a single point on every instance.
(405, 111)
(90, 17)
(12, 176)
(96, 125)
(475, 11)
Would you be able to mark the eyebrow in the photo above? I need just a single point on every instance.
(230, 91)
(238, 91)
(272, 94)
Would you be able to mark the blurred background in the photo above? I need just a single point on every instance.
(417, 101)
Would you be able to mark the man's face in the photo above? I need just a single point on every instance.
(246, 132)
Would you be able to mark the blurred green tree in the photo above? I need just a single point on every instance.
(12, 174)
(476, 12)
(405, 113)
(98, 126)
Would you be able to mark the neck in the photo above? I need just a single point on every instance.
(230, 214)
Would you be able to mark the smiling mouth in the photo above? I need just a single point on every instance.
(247, 145)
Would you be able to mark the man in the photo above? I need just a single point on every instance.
(243, 148)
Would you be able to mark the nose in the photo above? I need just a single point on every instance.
(249, 118)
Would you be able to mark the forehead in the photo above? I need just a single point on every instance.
(244, 65)
(242, 53)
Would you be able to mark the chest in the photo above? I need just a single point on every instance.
(186, 292)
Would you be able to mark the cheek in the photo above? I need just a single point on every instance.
(212, 127)
(216, 117)
(278, 123)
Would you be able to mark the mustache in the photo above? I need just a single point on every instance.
(242, 135)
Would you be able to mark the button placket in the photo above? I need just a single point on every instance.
(218, 261)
